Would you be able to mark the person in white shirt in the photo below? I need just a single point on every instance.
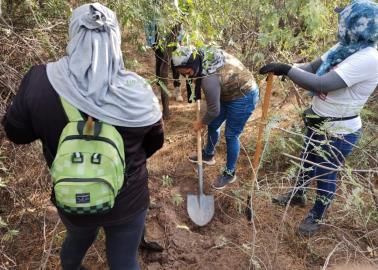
(341, 82)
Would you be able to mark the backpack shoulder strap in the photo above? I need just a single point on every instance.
(72, 113)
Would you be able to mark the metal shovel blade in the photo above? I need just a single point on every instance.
(200, 208)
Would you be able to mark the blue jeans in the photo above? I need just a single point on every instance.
(331, 155)
(235, 113)
(122, 242)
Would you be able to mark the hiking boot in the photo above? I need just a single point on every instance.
(284, 199)
(150, 246)
(310, 225)
(178, 95)
(224, 179)
(206, 159)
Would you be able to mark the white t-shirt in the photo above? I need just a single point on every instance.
(360, 73)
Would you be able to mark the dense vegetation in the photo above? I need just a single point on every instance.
(35, 31)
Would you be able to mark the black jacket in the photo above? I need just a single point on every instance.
(36, 113)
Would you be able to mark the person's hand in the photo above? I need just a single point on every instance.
(198, 125)
(277, 69)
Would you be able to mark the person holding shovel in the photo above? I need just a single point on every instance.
(341, 82)
(231, 94)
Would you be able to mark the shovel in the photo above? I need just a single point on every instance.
(260, 139)
(200, 207)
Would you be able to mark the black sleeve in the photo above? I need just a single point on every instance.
(16, 121)
(154, 139)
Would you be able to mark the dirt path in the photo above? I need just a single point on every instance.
(226, 242)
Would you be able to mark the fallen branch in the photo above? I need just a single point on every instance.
(325, 167)
(48, 252)
(330, 255)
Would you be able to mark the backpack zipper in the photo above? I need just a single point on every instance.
(89, 180)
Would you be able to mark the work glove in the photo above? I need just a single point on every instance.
(278, 69)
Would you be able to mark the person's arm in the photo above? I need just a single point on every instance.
(331, 81)
(212, 88)
(154, 139)
(328, 82)
(311, 67)
(16, 121)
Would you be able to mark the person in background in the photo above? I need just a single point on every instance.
(231, 94)
(163, 46)
(341, 82)
(92, 78)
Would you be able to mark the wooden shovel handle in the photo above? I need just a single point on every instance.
(262, 124)
(89, 125)
(199, 139)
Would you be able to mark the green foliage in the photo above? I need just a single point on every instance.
(167, 181)
(258, 30)
(239, 198)
(3, 169)
(176, 199)
(2, 183)
(3, 224)
(46, 10)
(255, 29)
(9, 233)
(277, 143)
(164, 87)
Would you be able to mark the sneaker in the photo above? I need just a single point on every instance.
(310, 225)
(178, 95)
(296, 199)
(206, 159)
(224, 179)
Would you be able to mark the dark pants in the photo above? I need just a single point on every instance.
(122, 242)
(163, 60)
(331, 155)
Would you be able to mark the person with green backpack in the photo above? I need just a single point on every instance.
(98, 124)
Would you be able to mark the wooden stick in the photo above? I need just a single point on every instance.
(262, 125)
(199, 139)
(259, 144)
(199, 150)
(89, 126)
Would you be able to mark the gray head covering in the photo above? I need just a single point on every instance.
(92, 76)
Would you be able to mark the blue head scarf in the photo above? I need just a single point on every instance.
(358, 29)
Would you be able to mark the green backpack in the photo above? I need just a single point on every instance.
(88, 169)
